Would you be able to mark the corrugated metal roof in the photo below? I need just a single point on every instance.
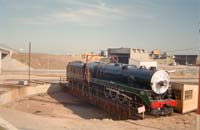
(118, 50)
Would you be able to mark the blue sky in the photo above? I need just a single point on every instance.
(75, 26)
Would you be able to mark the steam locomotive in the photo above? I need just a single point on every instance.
(122, 82)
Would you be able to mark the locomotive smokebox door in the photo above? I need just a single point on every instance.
(160, 82)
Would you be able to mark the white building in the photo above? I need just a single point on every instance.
(136, 57)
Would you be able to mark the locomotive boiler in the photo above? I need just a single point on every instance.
(141, 78)
(121, 82)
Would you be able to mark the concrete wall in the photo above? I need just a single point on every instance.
(4, 125)
(21, 92)
(147, 64)
(9, 64)
(139, 54)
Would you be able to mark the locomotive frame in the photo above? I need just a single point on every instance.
(118, 99)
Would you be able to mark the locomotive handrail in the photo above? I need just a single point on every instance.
(123, 87)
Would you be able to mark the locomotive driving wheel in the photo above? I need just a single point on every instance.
(113, 95)
(122, 99)
(106, 93)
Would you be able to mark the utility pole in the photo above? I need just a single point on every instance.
(198, 108)
(29, 69)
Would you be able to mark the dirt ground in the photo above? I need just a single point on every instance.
(45, 61)
(62, 111)
(50, 61)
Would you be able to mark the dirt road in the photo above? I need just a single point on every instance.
(61, 111)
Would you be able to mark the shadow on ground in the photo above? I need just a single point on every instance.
(76, 105)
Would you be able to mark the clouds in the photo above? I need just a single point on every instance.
(86, 23)
(80, 12)
(89, 14)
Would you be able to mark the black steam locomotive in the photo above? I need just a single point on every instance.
(122, 82)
